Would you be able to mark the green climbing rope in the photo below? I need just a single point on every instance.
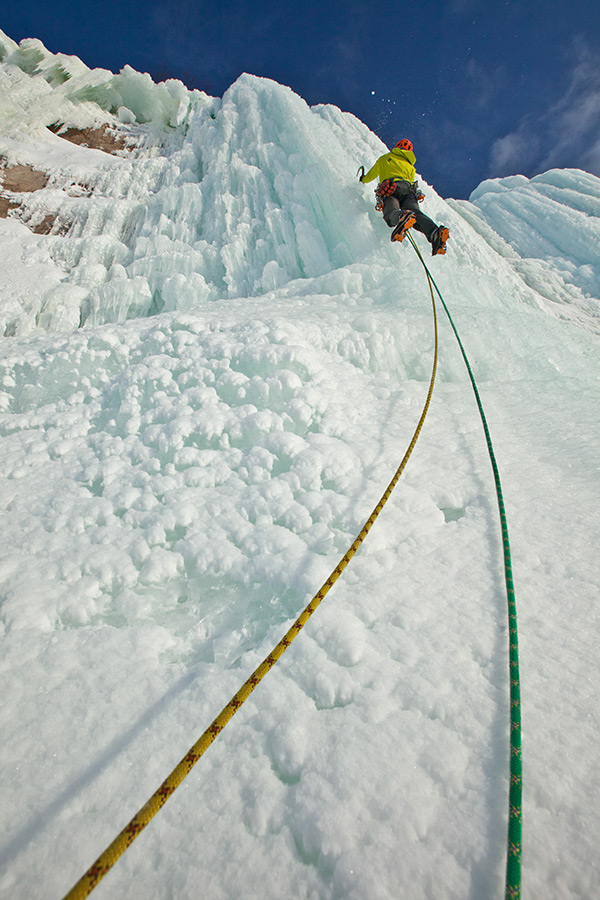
(515, 799)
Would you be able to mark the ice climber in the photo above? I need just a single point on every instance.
(399, 195)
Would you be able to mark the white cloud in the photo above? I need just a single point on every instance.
(514, 152)
(567, 134)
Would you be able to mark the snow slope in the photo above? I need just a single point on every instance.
(181, 473)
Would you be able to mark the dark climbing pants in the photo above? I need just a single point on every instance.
(405, 198)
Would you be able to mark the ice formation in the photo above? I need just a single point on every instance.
(212, 364)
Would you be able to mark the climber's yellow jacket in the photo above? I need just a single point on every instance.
(397, 164)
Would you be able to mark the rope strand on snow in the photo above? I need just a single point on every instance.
(109, 857)
(515, 799)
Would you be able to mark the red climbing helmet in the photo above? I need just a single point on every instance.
(405, 144)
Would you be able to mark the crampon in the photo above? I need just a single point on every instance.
(407, 220)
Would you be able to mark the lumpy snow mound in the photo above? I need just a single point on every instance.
(549, 228)
(214, 361)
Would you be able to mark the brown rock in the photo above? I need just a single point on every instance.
(6, 204)
(102, 138)
(45, 226)
(22, 178)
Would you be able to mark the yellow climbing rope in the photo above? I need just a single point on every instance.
(108, 858)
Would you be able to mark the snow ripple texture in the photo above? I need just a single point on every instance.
(207, 381)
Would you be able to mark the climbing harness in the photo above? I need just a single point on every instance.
(388, 188)
(125, 838)
(515, 797)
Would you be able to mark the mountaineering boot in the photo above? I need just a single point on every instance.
(407, 220)
(438, 240)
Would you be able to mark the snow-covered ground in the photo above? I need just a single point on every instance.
(212, 366)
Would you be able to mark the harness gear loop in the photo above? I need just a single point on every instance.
(384, 189)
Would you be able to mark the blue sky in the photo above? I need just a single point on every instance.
(481, 89)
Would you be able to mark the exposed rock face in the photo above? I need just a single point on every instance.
(6, 204)
(102, 138)
(49, 224)
(18, 179)
(24, 179)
